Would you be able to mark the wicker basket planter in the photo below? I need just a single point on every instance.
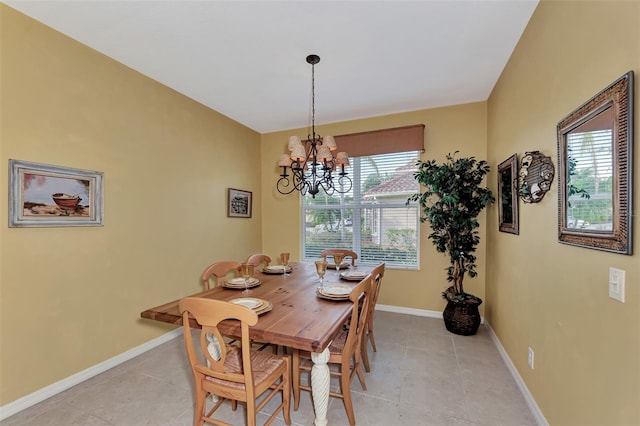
(462, 317)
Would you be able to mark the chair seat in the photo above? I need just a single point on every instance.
(335, 349)
(337, 346)
(263, 365)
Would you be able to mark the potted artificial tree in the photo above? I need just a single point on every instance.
(452, 201)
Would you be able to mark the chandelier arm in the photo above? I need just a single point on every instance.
(343, 180)
(284, 182)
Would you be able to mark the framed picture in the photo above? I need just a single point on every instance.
(42, 195)
(508, 195)
(239, 203)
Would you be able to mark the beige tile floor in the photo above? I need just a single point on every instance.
(421, 375)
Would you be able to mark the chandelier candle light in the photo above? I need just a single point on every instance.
(312, 162)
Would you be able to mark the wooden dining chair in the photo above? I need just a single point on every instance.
(218, 271)
(231, 372)
(376, 281)
(347, 253)
(258, 260)
(345, 351)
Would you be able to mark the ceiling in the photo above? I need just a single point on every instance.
(246, 59)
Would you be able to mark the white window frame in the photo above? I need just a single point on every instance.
(357, 206)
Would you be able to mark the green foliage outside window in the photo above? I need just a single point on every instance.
(401, 237)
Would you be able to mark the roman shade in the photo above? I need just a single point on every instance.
(384, 141)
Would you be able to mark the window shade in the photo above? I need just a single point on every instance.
(385, 141)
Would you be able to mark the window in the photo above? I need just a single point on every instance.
(372, 219)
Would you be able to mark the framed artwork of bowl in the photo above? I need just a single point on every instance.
(42, 195)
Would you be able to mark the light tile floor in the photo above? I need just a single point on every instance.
(420, 375)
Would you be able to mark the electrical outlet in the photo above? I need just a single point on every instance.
(530, 358)
(616, 284)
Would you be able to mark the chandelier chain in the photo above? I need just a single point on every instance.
(313, 100)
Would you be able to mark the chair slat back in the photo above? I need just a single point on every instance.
(347, 253)
(361, 298)
(209, 313)
(258, 260)
(218, 270)
(376, 275)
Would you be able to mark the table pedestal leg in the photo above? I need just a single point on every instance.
(320, 381)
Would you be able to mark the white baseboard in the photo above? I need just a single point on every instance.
(537, 413)
(412, 311)
(408, 311)
(66, 383)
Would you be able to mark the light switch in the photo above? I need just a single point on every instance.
(616, 284)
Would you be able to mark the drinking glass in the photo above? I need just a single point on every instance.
(246, 269)
(338, 258)
(321, 269)
(284, 259)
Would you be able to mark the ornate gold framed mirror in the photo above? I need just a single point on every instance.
(508, 195)
(595, 163)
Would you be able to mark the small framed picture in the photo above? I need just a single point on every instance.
(42, 195)
(239, 203)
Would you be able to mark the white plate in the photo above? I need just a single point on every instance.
(240, 281)
(248, 302)
(276, 269)
(323, 295)
(353, 274)
(337, 290)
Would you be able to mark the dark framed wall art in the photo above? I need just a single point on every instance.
(239, 203)
(508, 195)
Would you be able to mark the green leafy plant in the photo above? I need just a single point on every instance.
(572, 188)
(451, 202)
(404, 237)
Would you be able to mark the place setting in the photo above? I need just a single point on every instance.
(259, 306)
(282, 269)
(246, 279)
(240, 283)
(333, 291)
(338, 262)
(277, 269)
(343, 265)
(353, 275)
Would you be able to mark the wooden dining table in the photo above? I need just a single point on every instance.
(299, 318)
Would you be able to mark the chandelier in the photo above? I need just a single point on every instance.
(311, 162)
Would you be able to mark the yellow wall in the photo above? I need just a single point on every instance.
(461, 127)
(543, 294)
(62, 103)
(71, 297)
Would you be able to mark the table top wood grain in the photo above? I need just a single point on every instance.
(299, 319)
